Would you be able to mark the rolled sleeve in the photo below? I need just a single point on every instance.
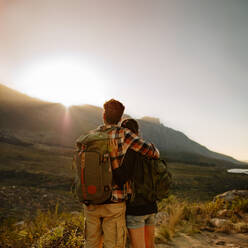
(139, 145)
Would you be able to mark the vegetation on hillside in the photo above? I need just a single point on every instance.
(48, 229)
(32, 172)
(63, 229)
(191, 218)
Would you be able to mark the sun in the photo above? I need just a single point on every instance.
(66, 81)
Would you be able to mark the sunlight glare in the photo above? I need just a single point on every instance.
(69, 82)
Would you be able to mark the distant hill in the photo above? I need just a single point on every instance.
(176, 143)
(32, 120)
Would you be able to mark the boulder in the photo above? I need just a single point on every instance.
(231, 195)
(161, 218)
(216, 222)
(223, 213)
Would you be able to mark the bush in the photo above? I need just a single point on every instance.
(194, 217)
(47, 229)
(70, 234)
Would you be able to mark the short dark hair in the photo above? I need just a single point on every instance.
(131, 124)
(113, 110)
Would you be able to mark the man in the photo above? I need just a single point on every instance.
(108, 219)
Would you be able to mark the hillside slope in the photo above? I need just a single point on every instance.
(173, 141)
(34, 121)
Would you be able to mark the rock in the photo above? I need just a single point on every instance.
(220, 242)
(216, 222)
(223, 213)
(161, 218)
(20, 223)
(76, 213)
(231, 195)
(233, 246)
(241, 227)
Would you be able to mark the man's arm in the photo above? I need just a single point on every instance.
(139, 145)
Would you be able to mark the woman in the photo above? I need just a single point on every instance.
(140, 214)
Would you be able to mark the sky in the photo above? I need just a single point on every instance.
(182, 61)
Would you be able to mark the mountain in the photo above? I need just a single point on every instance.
(34, 121)
(172, 141)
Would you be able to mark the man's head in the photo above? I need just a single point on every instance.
(132, 125)
(113, 111)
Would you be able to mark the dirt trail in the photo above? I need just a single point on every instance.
(208, 240)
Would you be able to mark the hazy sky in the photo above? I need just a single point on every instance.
(182, 61)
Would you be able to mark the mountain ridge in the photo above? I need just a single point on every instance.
(34, 120)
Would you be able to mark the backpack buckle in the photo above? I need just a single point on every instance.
(105, 157)
(83, 147)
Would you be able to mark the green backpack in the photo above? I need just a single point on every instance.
(93, 181)
(151, 181)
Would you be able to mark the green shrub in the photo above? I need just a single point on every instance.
(70, 234)
(47, 229)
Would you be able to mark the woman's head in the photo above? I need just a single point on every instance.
(131, 124)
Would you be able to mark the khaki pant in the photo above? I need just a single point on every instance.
(107, 220)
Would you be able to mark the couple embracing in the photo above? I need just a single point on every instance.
(107, 221)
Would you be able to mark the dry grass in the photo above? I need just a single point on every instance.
(54, 229)
(48, 229)
(192, 218)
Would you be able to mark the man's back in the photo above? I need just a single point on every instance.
(120, 139)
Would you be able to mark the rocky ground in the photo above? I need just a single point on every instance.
(212, 238)
(21, 202)
(208, 240)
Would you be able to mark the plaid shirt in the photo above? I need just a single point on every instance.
(120, 140)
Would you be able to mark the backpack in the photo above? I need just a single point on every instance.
(150, 179)
(93, 180)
